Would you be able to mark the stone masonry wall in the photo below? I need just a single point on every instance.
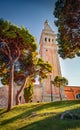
(3, 96)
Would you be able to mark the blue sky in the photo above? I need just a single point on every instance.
(32, 14)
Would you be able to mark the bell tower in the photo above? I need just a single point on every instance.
(48, 51)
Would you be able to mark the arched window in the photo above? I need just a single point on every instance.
(49, 39)
(78, 95)
(45, 39)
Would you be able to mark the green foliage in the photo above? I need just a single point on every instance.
(67, 13)
(18, 57)
(28, 91)
(43, 69)
(14, 41)
(19, 46)
(60, 81)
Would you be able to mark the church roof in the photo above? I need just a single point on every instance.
(47, 27)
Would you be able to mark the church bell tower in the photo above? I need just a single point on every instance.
(48, 51)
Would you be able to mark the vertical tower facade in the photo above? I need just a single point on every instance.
(48, 51)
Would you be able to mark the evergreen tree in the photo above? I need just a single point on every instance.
(59, 82)
(18, 58)
(13, 41)
(32, 68)
(67, 13)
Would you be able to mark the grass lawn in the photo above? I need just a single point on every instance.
(40, 116)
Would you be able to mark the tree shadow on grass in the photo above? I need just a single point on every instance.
(2, 111)
(54, 123)
(27, 112)
(51, 123)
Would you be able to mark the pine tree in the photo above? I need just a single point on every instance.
(67, 13)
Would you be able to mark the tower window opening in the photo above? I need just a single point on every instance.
(49, 39)
(45, 39)
(52, 40)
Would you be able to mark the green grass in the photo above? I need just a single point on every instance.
(46, 116)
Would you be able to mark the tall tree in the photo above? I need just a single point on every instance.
(13, 41)
(25, 68)
(18, 58)
(67, 13)
(31, 68)
(59, 82)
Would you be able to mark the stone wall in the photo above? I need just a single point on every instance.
(37, 96)
(70, 94)
(3, 96)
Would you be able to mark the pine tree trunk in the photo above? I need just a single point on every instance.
(10, 88)
(19, 91)
(60, 94)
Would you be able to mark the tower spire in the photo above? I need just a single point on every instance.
(47, 27)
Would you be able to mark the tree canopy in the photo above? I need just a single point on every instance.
(59, 82)
(16, 44)
(67, 13)
(18, 58)
(14, 41)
